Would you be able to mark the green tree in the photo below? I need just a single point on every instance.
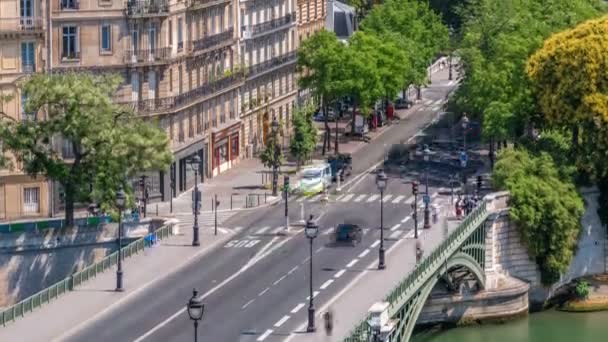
(272, 155)
(545, 206)
(109, 142)
(304, 138)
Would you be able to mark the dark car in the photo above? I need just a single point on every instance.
(403, 103)
(347, 232)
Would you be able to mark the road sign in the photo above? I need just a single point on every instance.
(426, 199)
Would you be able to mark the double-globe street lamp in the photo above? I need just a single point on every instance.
(121, 199)
(196, 309)
(311, 230)
(427, 199)
(276, 151)
(195, 163)
(381, 181)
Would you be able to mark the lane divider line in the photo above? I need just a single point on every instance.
(339, 274)
(376, 243)
(264, 335)
(364, 253)
(352, 263)
(297, 308)
(326, 284)
(281, 321)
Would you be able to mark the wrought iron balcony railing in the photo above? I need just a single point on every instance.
(210, 41)
(147, 7)
(69, 5)
(171, 102)
(270, 25)
(21, 24)
(259, 68)
(147, 55)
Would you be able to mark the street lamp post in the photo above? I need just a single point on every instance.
(427, 199)
(286, 191)
(311, 231)
(196, 198)
(196, 309)
(465, 126)
(120, 204)
(381, 181)
(415, 208)
(275, 166)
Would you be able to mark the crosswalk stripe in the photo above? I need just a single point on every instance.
(410, 200)
(347, 198)
(386, 198)
(372, 198)
(262, 230)
(277, 230)
(395, 234)
(360, 198)
(301, 198)
(340, 197)
(314, 198)
(398, 199)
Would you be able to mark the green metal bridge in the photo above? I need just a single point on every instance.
(464, 250)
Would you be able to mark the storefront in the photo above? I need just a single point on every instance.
(225, 148)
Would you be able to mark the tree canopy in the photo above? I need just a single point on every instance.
(545, 206)
(107, 143)
(304, 138)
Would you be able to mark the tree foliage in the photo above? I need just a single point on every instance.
(272, 155)
(109, 143)
(545, 206)
(304, 138)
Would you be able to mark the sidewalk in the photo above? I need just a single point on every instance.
(351, 305)
(97, 296)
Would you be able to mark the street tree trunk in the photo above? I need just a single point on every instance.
(352, 124)
(491, 143)
(336, 147)
(419, 93)
(327, 135)
(69, 204)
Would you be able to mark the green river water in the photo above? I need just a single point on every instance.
(550, 326)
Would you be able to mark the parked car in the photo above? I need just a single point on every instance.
(347, 232)
(315, 179)
(320, 116)
(403, 103)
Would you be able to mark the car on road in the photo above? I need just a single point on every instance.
(315, 179)
(347, 232)
(403, 103)
(320, 116)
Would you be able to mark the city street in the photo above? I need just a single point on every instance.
(255, 286)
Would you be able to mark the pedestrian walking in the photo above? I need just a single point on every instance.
(328, 318)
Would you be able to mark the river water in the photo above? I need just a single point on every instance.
(550, 326)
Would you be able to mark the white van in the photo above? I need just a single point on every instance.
(315, 179)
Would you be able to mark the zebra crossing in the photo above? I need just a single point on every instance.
(207, 220)
(360, 198)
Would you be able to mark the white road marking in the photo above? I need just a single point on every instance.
(360, 198)
(262, 230)
(314, 198)
(262, 293)
(364, 253)
(314, 294)
(297, 308)
(281, 321)
(407, 218)
(326, 232)
(352, 263)
(340, 197)
(247, 304)
(386, 198)
(347, 198)
(278, 230)
(293, 270)
(395, 234)
(372, 198)
(438, 102)
(223, 231)
(264, 335)
(395, 227)
(339, 274)
(319, 249)
(301, 199)
(279, 280)
(410, 200)
(436, 108)
(376, 243)
(326, 284)
(398, 199)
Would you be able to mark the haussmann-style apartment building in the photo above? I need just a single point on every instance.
(212, 73)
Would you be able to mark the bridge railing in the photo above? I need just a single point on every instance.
(406, 288)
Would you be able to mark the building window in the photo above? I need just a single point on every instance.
(171, 80)
(170, 32)
(69, 4)
(28, 62)
(31, 200)
(67, 149)
(70, 42)
(180, 37)
(234, 147)
(106, 38)
(25, 115)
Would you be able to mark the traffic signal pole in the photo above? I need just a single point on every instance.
(286, 191)
(415, 207)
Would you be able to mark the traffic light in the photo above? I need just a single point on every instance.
(479, 183)
(414, 188)
(286, 183)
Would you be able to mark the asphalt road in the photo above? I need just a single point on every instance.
(256, 286)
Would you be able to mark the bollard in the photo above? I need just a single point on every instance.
(258, 200)
(265, 195)
(230, 201)
(156, 209)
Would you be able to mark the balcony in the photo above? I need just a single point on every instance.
(254, 30)
(28, 68)
(147, 56)
(70, 56)
(147, 8)
(169, 103)
(21, 25)
(259, 68)
(211, 41)
(199, 4)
